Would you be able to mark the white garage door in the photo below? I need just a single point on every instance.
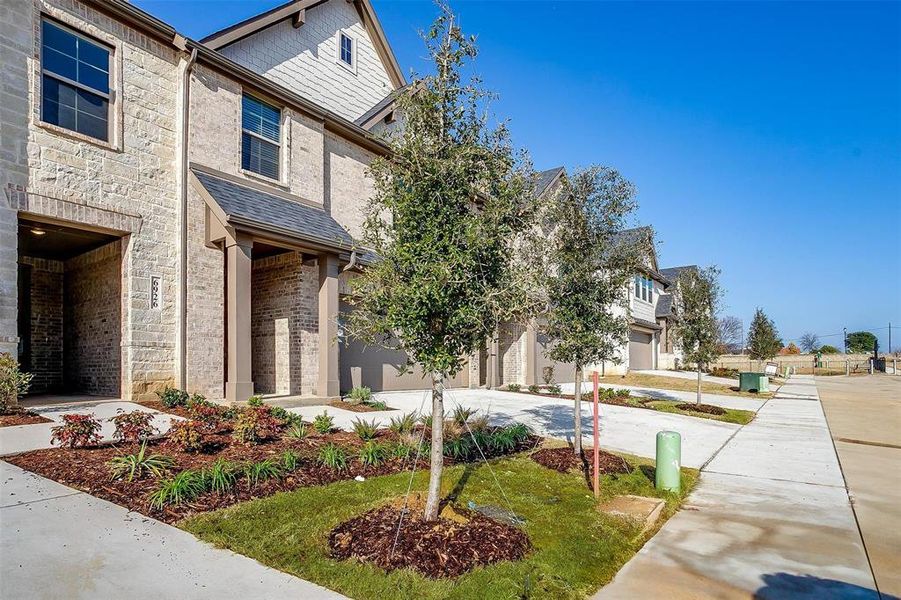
(641, 350)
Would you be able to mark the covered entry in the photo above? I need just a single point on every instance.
(69, 307)
(641, 350)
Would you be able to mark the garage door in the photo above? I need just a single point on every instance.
(377, 367)
(641, 350)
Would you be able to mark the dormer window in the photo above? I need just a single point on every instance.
(346, 50)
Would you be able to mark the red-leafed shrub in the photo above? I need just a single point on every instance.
(186, 435)
(256, 424)
(133, 426)
(76, 431)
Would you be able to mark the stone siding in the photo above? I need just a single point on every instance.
(304, 59)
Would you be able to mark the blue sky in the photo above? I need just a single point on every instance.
(763, 137)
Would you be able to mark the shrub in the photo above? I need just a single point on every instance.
(221, 477)
(172, 397)
(13, 382)
(135, 466)
(184, 487)
(186, 435)
(76, 431)
(290, 460)
(365, 430)
(402, 424)
(261, 471)
(255, 424)
(373, 454)
(554, 389)
(359, 395)
(332, 456)
(323, 423)
(132, 426)
(298, 430)
(547, 375)
(533, 389)
(255, 401)
(462, 415)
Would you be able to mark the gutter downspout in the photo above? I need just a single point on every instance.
(182, 300)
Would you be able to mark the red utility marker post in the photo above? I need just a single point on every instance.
(597, 459)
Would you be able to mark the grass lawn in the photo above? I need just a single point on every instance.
(576, 549)
(661, 382)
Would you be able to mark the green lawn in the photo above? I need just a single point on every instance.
(576, 548)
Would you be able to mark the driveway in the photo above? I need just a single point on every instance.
(864, 415)
(770, 519)
(57, 542)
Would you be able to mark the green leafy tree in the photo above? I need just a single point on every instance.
(861, 342)
(827, 349)
(697, 330)
(590, 265)
(763, 339)
(451, 203)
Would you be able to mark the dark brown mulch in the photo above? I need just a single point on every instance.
(707, 409)
(563, 460)
(442, 548)
(22, 417)
(359, 408)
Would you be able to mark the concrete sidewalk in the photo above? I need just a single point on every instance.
(864, 415)
(57, 542)
(769, 519)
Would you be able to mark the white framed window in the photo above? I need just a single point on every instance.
(260, 137)
(76, 90)
(347, 51)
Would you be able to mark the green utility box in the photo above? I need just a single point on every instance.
(669, 461)
(753, 382)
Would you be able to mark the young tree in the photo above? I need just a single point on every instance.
(591, 264)
(450, 202)
(729, 334)
(809, 342)
(697, 331)
(861, 342)
(763, 339)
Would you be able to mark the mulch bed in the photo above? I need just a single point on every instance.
(359, 408)
(563, 460)
(442, 548)
(23, 417)
(707, 409)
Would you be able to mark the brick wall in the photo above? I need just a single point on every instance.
(46, 324)
(92, 304)
(284, 325)
(305, 59)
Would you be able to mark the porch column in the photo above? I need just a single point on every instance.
(239, 385)
(329, 385)
(531, 343)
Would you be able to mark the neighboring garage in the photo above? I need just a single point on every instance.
(641, 350)
(380, 368)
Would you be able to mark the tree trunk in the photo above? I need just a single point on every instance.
(698, 401)
(437, 456)
(577, 414)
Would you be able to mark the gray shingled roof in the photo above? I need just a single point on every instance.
(545, 178)
(250, 206)
(664, 305)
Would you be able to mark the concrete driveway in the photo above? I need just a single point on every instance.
(59, 543)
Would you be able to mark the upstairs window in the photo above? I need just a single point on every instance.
(644, 288)
(346, 49)
(260, 137)
(75, 81)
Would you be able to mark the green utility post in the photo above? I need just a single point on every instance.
(669, 461)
